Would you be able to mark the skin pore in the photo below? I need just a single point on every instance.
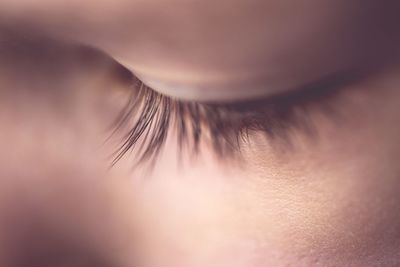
(330, 199)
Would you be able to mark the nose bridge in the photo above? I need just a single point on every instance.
(55, 193)
(50, 197)
(38, 144)
(31, 238)
(63, 215)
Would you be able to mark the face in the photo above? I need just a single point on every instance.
(308, 89)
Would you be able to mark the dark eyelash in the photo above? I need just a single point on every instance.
(226, 125)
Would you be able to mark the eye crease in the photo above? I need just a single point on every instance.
(224, 126)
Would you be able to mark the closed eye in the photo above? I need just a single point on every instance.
(223, 126)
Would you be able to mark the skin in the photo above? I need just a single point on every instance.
(327, 200)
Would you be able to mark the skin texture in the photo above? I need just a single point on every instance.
(273, 45)
(329, 199)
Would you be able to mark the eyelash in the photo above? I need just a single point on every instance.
(224, 126)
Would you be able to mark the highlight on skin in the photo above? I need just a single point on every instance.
(330, 199)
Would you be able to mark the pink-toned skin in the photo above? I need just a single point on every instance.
(333, 201)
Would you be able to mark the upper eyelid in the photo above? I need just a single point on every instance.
(209, 93)
(250, 92)
(309, 91)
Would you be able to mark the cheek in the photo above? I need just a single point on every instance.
(209, 217)
(335, 217)
(332, 202)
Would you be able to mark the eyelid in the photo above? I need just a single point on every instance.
(221, 125)
(211, 93)
(239, 92)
